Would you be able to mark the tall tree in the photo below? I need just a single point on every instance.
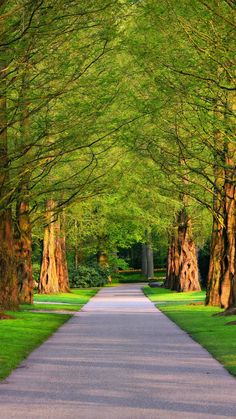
(8, 278)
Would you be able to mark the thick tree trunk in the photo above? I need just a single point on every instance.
(217, 242)
(54, 273)
(172, 270)
(48, 282)
(222, 272)
(8, 278)
(22, 233)
(216, 262)
(60, 256)
(23, 251)
(182, 271)
(228, 288)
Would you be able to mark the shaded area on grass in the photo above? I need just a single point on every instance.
(198, 321)
(167, 296)
(52, 307)
(24, 333)
(27, 330)
(76, 296)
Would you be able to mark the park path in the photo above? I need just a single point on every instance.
(119, 358)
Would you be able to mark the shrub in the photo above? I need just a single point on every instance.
(89, 276)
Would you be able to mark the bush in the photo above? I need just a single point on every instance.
(89, 276)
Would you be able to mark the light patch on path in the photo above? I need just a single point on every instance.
(119, 358)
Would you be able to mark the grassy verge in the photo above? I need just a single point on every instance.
(26, 330)
(76, 296)
(134, 277)
(198, 321)
(24, 333)
(51, 307)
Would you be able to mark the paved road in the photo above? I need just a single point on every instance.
(119, 358)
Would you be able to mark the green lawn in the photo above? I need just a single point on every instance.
(19, 336)
(134, 277)
(76, 296)
(51, 307)
(23, 334)
(198, 321)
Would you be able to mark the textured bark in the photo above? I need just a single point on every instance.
(216, 262)
(216, 269)
(182, 271)
(8, 278)
(54, 272)
(222, 273)
(48, 282)
(60, 256)
(228, 287)
(23, 252)
(22, 231)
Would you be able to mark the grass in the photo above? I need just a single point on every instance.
(27, 330)
(165, 296)
(23, 334)
(76, 296)
(51, 307)
(134, 277)
(198, 321)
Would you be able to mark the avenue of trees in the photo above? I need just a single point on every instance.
(117, 126)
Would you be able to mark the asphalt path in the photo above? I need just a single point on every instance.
(119, 358)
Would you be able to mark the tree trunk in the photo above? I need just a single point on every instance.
(23, 251)
(213, 296)
(102, 259)
(144, 260)
(182, 271)
(150, 266)
(48, 282)
(222, 273)
(78, 252)
(22, 232)
(60, 256)
(54, 272)
(172, 272)
(228, 288)
(8, 278)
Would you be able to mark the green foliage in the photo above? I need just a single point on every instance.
(89, 276)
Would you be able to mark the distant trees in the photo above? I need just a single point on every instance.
(130, 104)
(183, 56)
(54, 98)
